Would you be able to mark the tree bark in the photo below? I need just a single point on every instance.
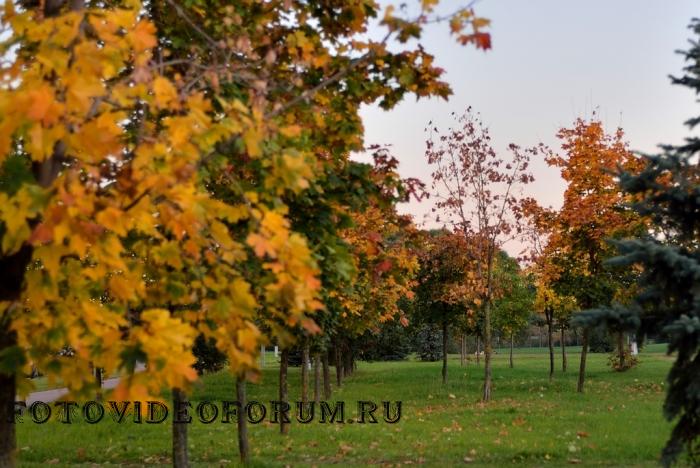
(444, 352)
(487, 327)
(8, 389)
(582, 366)
(338, 366)
(180, 455)
(242, 423)
(563, 349)
(511, 351)
(305, 374)
(326, 376)
(98, 381)
(550, 342)
(478, 351)
(284, 396)
(348, 365)
(317, 378)
(487, 350)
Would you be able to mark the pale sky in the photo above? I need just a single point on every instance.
(551, 62)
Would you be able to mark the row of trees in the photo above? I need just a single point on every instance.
(622, 248)
(466, 280)
(171, 171)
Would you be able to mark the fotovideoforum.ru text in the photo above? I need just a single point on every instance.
(206, 412)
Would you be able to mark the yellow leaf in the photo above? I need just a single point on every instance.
(164, 91)
(291, 131)
(121, 288)
(113, 219)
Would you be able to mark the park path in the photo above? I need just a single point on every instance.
(56, 393)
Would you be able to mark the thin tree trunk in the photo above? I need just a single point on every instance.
(338, 366)
(563, 349)
(511, 351)
(326, 376)
(348, 364)
(464, 346)
(98, 382)
(7, 397)
(444, 352)
(305, 374)
(487, 350)
(180, 455)
(478, 351)
(242, 423)
(582, 367)
(284, 364)
(621, 349)
(317, 378)
(550, 342)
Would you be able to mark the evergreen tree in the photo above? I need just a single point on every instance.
(668, 296)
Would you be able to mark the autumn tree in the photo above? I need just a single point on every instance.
(120, 119)
(593, 210)
(667, 191)
(443, 295)
(514, 297)
(480, 194)
(386, 265)
(555, 308)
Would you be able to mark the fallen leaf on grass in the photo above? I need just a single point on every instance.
(345, 448)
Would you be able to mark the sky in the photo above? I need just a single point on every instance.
(551, 62)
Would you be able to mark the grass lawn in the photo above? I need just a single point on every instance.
(531, 422)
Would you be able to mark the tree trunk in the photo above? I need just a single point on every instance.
(348, 366)
(582, 367)
(326, 376)
(621, 349)
(305, 374)
(338, 366)
(563, 349)
(550, 342)
(98, 381)
(180, 455)
(317, 378)
(242, 423)
(478, 351)
(487, 350)
(444, 352)
(284, 364)
(7, 397)
(12, 272)
(511, 351)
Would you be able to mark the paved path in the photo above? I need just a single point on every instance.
(56, 393)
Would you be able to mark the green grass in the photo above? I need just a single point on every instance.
(530, 422)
